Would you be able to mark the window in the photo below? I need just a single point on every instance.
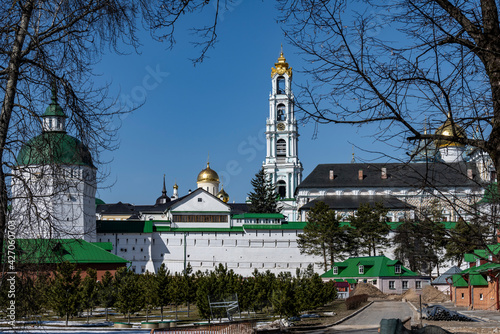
(335, 270)
(397, 269)
(280, 85)
(200, 199)
(392, 285)
(281, 188)
(480, 296)
(405, 285)
(463, 295)
(361, 270)
(418, 285)
(374, 282)
(281, 148)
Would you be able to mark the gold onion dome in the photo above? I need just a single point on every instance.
(222, 195)
(208, 174)
(450, 129)
(281, 67)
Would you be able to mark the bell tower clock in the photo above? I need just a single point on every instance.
(282, 164)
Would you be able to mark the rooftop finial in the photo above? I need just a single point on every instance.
(164, 191)
(53, 88)
(281, 49)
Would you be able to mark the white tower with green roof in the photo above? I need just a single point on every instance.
(54, 183)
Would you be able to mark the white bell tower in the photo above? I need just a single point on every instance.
(282, 162)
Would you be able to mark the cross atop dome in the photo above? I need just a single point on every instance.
(281, 67)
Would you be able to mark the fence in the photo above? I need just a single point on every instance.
(227, 328)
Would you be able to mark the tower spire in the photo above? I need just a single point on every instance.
(164, 191)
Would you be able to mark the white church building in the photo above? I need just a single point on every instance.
(54, 188)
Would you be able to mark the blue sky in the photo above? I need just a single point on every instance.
(218, 107)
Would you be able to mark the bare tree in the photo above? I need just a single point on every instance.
(52, 46)
(402, 64)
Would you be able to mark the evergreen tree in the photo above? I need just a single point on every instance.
(465, 238)
(189, 287)
(107, 291)
(64, 294)
(283, 297)
(129, 298)
(176, 291)
(370, 228)
(420, 244)
(149, 287)
(89, 290)
(163, 279)
(323, 236)
(263, 197)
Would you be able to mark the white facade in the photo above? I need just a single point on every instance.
(54, 184)
(201, 231)
(282, 162)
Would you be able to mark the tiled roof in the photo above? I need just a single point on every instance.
(350, 202)
(412, 175)
(449, 273)
(374, 266)
(59, 250)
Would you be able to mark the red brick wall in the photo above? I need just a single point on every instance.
(458, 298)
(485, 297)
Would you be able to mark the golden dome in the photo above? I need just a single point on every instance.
(281, 66)
(208, 175)
(222, 195)
(449, 129)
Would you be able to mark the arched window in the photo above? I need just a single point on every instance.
(281, 112)
(281, 148)
(281, 188)
(280, 85)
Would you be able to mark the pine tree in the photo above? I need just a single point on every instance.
(149, 287)
(263, 197)
(323, 236)
(89, 290)
(107, 291)
(64, 295)
(129, 293)
(371, 229)
(163, 279)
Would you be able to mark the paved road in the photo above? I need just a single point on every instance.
(368, 320)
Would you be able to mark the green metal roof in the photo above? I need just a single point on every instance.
(482, 253)
(107, 246)
(99, 201)
(283, 226)
(374, 266)
(259, 216)
(459, 281)
(60, 250)
(54, 148)
(54, 109)
(199, 229)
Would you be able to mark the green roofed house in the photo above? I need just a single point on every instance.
(477, 287)
(389, 276)
(44, 255)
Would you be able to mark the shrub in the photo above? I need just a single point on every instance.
(354, 302)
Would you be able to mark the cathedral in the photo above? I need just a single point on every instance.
(54, 187)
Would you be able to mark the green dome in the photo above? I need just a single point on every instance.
(54, 148)
(54, 109)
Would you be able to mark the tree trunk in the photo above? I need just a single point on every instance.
(175, 311)
(106, 314)
(67, 318)
(161, 310)
(7, 106)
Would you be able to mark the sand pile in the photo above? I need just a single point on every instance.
(368, 289)
(429, 295)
